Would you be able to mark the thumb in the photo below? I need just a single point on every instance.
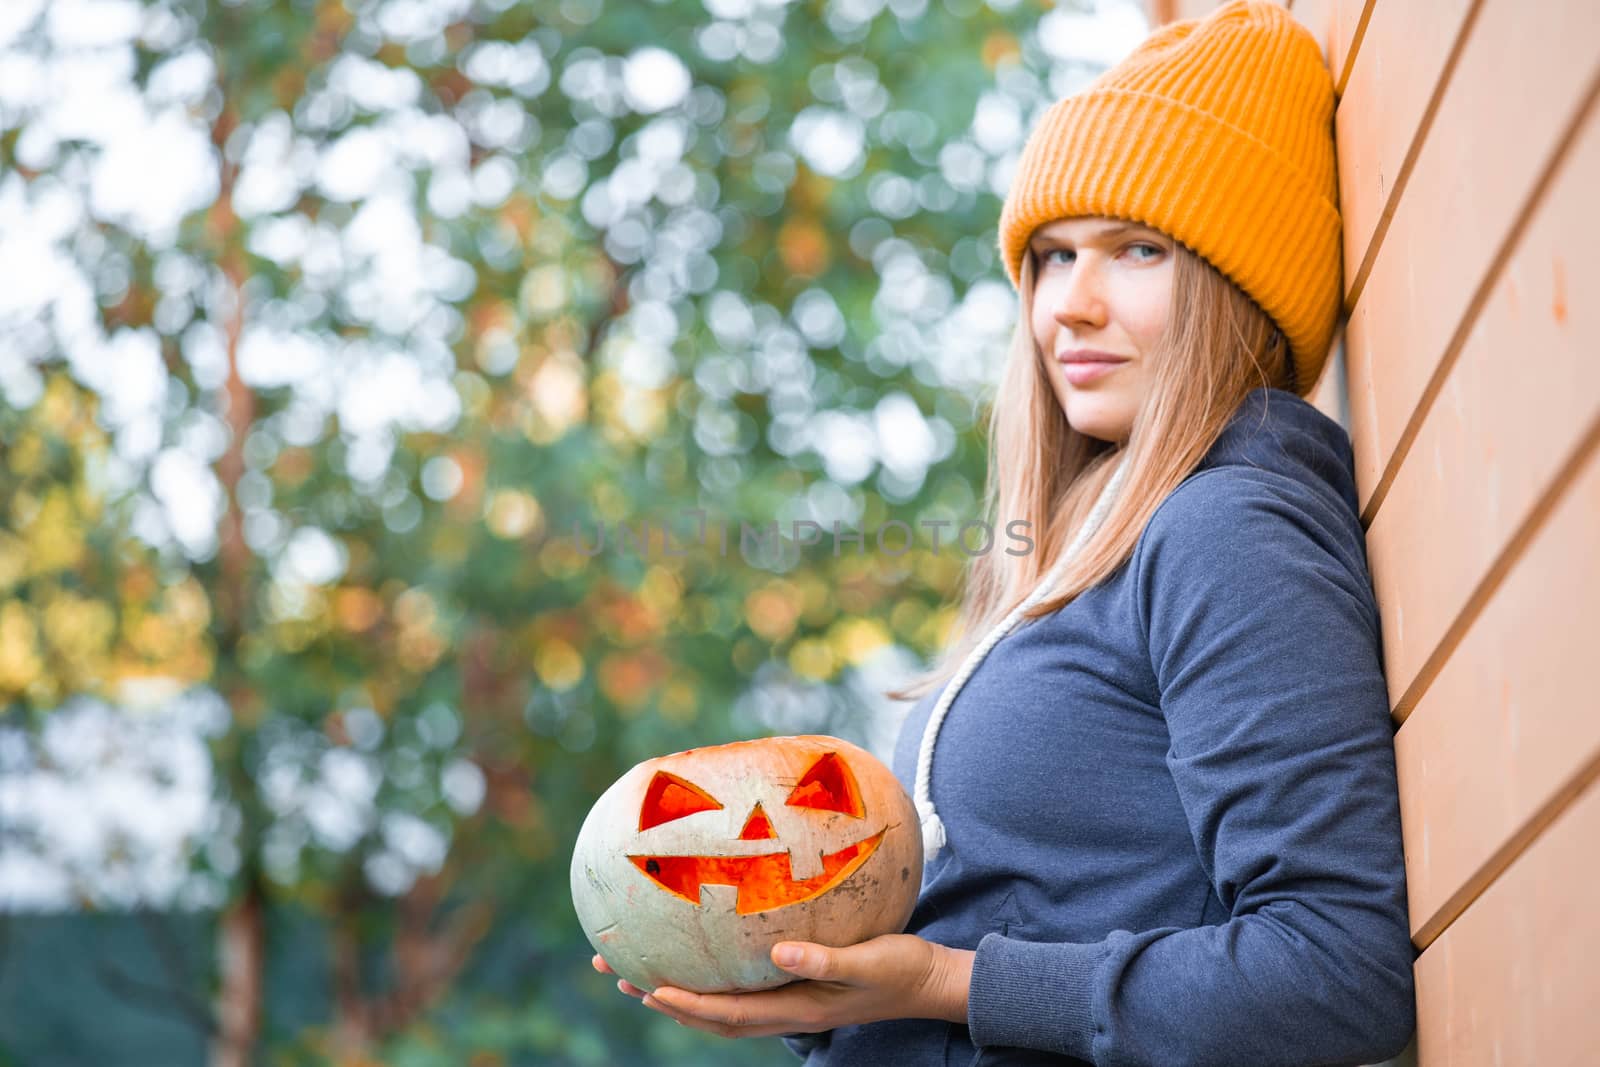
(805, 959)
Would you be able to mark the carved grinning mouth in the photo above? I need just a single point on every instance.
(764, 882)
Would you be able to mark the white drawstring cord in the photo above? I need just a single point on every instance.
(933, 836)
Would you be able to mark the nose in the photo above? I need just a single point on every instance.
(1080, 299)
(757, 827)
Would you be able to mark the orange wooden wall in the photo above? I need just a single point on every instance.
(1467, 370)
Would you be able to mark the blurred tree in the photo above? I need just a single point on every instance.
(392, 310)
(81, 608)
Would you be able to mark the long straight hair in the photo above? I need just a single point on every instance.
(1218, 346)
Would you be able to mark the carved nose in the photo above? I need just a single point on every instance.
(756, 827)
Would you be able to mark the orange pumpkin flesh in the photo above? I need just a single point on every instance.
(757, 827)
(828, 786)
(670, 797)
(767, 881)
(764, 882)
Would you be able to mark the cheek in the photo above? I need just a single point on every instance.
(1044, 323)
(1148, 309)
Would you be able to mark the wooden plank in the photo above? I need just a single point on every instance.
(1160, 12)
(1395, 82)
(1196, 9)
(1164, 11)
(1514, 980)
(1338, 26)
(1517, 403)
(1517, 91)
(1509, 731)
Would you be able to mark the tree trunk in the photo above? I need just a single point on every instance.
(240, 945)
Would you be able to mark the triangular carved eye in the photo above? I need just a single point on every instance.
(828, 786)
(670, 797)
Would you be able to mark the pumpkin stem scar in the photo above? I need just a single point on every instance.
(764, 882)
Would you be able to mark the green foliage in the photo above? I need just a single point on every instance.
(468, 276)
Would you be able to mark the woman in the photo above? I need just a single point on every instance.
(1161, 817)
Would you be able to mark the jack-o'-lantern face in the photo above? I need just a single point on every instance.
(764, 881)
(692, 865)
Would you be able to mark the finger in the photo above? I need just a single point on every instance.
(682, 1018)
(807, 960)
(779, 1008)
(601, 965)
(629, 988)
(710, 1026)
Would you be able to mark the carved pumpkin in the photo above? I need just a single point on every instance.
(692, 866)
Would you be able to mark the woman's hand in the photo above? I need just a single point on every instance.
(896, 976)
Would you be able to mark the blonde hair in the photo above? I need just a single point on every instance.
(1218, 346)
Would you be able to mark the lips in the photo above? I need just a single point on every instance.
(1087, 359)
(764, 882)
(1080, 371)
(1088, 355)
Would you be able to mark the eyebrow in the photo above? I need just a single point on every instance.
(1105, 233)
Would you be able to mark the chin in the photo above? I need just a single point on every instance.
(1097, 424)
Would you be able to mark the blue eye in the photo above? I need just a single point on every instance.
(1155, 250)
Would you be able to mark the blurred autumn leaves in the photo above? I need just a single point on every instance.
(80, 610)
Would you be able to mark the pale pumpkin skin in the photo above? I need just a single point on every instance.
(652, 936)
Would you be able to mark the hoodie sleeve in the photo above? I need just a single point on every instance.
(802, 1044)
(1263, 632)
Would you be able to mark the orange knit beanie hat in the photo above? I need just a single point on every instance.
(1219, 133)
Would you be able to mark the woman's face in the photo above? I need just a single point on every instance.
(1102, 286)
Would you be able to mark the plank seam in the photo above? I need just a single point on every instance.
(1355, 46)
(1504, 856)
(1419, 138)
(1480, 295)
(1509, 556)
